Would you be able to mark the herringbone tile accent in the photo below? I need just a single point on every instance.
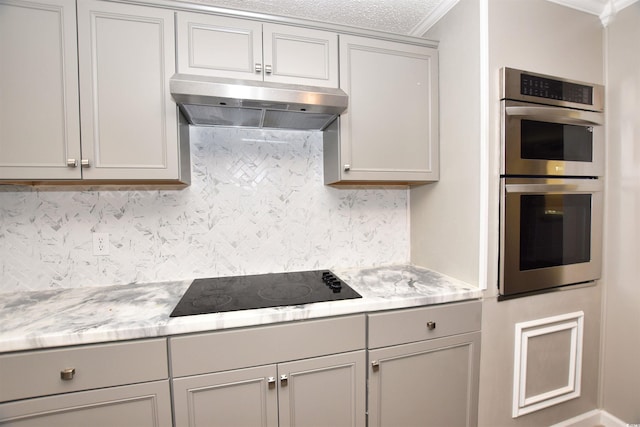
(256, 204)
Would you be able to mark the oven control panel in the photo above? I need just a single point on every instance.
(543, 87)
(526, 86)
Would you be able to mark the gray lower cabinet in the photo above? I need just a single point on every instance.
(119, 384)
(425, 373)
(243, 397)
(308, 373)
(138, 405)
(422, 371)
(312, 392)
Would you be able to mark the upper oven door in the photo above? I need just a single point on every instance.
(541, 140)
(550, 233)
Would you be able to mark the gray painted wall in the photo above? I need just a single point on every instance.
(445, 231)
(621, 377)
(534, 35)
(537, 35)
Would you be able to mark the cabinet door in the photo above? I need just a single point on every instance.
(300, 56)
(220, 47)
(323, 391)
(129, 121)
(390, 130)
(140, 405)
(39, 111)
(428, 383)
(245, 397)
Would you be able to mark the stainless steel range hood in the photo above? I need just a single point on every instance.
(210, 101)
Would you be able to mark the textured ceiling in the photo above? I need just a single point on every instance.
(395, 16)
(409, 17)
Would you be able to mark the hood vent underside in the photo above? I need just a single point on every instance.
(210, 101)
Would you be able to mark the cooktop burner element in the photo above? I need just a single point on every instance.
(220, 294)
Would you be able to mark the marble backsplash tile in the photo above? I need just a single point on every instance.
(256, 204)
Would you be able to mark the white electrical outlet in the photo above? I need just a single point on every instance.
(100, 244)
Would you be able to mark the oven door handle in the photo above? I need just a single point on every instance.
(584, 186)
(556, 114)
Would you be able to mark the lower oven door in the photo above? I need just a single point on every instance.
(550, 233)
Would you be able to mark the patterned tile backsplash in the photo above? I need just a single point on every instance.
(256, 204)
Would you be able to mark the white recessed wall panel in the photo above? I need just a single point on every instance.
(547, 362)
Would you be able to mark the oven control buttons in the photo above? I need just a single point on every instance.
(332, 281)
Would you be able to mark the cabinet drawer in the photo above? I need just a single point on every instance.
(404, 326)
(234, 349)
(137, 405)
(39, 373)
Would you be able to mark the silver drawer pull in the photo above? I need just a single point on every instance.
(431, 326)
(72, 163)
(85, 163)
(67, 374)
(284, 380)
(375, 365)
(271, 381)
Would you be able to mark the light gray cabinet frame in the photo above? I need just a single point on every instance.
(245, 376)
(389, 132)
(424, 366)
(428, 383)
(138, 405)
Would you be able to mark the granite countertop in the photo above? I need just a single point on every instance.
(41, 319)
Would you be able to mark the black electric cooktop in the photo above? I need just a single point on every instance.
(221, 294)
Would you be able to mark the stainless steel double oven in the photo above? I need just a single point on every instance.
(551, 202)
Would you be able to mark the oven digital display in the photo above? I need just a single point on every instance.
(543, 87)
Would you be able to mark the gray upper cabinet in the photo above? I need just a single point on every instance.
(389, 132)
(101, 111)
(39, 108)
(129, 121)
(217, 46)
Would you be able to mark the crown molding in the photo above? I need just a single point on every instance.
(432, 18)
(605, 10)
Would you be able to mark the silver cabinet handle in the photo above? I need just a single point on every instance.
(284, 380)
(85, 163)
(258, 67)
(431, 326)
(67, 374)
(271, 382)
(267, 69)
(375, 365)
(72, 163)
(347, 167)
